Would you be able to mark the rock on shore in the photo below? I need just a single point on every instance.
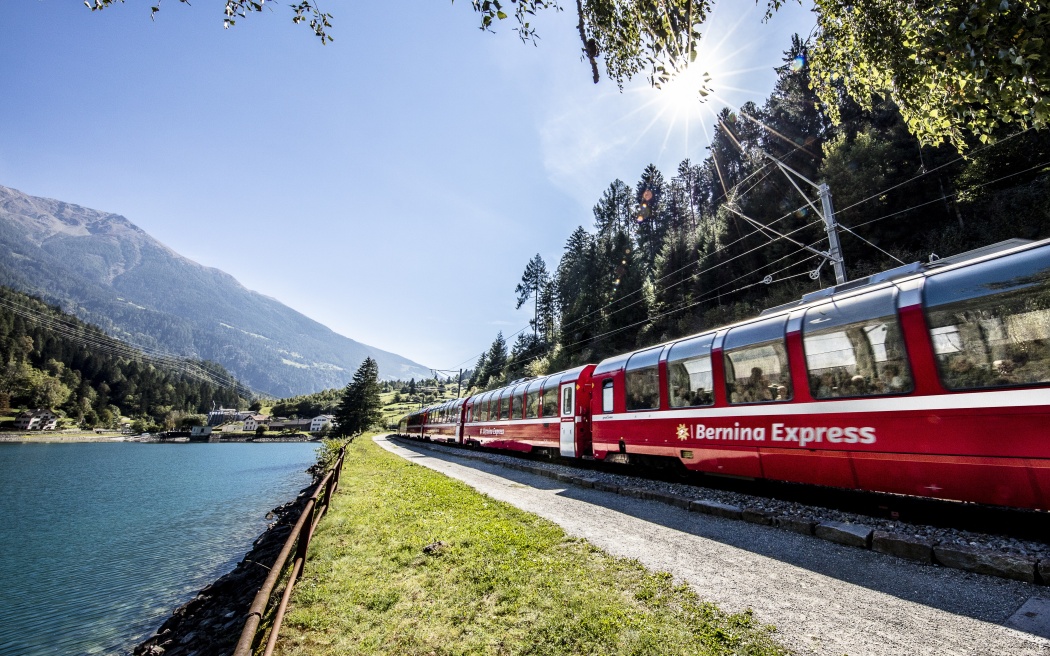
(211, 622)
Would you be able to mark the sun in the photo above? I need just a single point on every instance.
(687, 88)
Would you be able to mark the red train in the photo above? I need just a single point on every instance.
(929, 379)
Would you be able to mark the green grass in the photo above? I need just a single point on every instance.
(505, 581)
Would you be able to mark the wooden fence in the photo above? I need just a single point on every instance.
(299, 540)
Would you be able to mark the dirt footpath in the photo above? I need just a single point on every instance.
(824, 598)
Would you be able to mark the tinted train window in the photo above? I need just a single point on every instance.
(504, 405)
(532, 404)
(517, 408)
(990, 322)
(550, 399)
(756, 363)
(532, 399)
(607, 395)
(493, 414)
(642, 380)
(690, 382)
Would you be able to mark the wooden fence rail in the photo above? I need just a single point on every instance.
(299, 539)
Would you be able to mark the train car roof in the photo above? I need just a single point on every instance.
(861, 285)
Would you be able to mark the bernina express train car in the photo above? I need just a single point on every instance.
(550, 413)
(411, 425)
(444, 422)
(928, 380)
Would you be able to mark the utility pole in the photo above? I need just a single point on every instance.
(827, 213)
(833, 234)
(459, 382)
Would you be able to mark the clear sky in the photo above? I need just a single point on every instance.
(391, 185)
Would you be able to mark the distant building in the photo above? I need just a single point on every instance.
(251, 422)
(202, 434)
(302, 425)
(221, 416)
(319, 422)
(40, 419)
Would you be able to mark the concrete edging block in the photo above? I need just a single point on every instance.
(853, 535)
(716, 509)
(981, 561)
(903, 546)
(797, 524)
(757, 516)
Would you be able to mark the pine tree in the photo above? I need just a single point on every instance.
(359, 407)
(495, 361)
(532, 281)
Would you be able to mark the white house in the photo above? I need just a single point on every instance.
(254, 421)
(39, 419)
(318, 422)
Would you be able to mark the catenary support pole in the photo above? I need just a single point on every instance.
(833, 233)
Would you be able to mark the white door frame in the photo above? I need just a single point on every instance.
(567, 441)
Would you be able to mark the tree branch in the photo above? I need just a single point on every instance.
(590, 46)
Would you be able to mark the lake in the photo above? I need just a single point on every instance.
(102, 541)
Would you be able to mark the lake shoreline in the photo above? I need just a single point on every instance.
(212, 621)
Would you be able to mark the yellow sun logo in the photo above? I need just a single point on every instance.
(683, 432)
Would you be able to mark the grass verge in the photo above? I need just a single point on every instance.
(503, 581)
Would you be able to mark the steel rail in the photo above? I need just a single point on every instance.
(299, 538)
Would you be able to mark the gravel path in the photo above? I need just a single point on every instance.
(824, 598)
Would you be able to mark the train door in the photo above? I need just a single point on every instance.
(461, 418)
(568, 420)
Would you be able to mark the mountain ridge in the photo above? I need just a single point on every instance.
(106, 270)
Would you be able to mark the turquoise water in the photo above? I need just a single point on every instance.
(100, 542)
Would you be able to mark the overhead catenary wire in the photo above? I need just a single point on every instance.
(762, 169)
(100, 342)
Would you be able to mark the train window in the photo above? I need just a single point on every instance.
(566, 401)
(532, 399)
(756, 363)
(643, 380)
(690, 381)
(854, 347)
(517, 408)
(493, 408)
(504, 405)
(550, 398)
(607, 395)
(990, 322)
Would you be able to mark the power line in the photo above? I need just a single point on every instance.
(84, 335)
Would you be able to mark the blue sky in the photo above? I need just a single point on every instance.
(391, 185)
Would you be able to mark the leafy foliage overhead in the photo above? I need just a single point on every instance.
(305, 11)
(957, 69)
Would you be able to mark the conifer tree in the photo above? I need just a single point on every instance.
(359, 408)
(532, 282)
(495, 361)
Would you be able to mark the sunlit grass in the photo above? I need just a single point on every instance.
(501, 581)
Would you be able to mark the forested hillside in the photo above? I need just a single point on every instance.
(679, 252)
(104, 269)
(52, 360)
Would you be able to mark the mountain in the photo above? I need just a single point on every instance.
(106, 270)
